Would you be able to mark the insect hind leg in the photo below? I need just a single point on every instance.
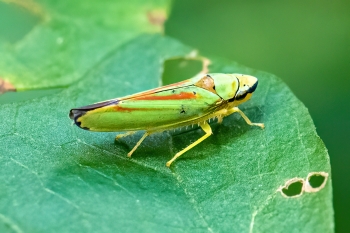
(206, 128)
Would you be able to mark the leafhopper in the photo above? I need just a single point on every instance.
(193, 101)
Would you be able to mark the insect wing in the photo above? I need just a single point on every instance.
(75, 113)
(173, 86)
(156, 110)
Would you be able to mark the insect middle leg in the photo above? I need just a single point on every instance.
(206, 128)
(138, 144)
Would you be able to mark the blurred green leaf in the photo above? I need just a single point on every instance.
(56, 177)
(73, 36)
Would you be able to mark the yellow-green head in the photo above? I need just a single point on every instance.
(236, 88)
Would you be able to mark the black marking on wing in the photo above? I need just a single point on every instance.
(182, 110)
(75, 113)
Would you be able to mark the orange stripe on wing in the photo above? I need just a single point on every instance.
(156, 90)
(180, 96)
(123, 109)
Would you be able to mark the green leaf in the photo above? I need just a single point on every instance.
(56, 177)
(73, 37)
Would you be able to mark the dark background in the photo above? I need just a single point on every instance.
(306, 43)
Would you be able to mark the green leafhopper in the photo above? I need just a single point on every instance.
(193, 101)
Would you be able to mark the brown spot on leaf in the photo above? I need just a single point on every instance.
(30, 6)
(157, 17)
(6, 86)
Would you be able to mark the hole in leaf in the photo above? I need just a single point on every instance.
(179, 69)
(293, 189)
(15, 22)
(316, 180)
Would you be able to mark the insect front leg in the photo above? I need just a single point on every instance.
(206, 128)
(235, 109)
(138, 144)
